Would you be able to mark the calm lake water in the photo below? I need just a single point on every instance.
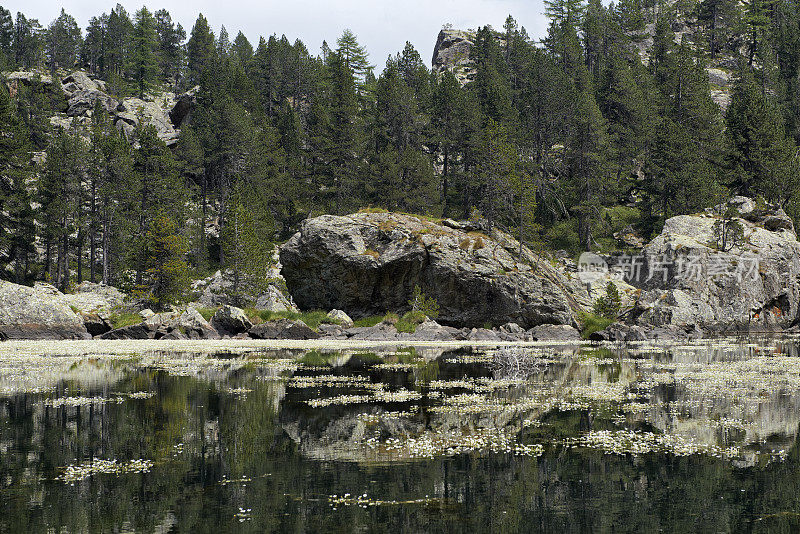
(648, 438)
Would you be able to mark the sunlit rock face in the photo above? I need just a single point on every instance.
(452, 52)
(39, 312)
(688, 277)
(368, 263)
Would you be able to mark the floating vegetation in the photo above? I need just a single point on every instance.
(81, 401)
(432, 444)
(141, 394)
(76, 473)
(363, 501)
(630, 442)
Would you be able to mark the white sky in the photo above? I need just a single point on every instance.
(382, 26)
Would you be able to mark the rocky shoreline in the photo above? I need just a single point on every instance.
(487, 288)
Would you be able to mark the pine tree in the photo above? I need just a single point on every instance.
(17, 232)
(63, 42)
(6, 39)
(143, 58)
(353, 55)
(27, 42)
(201, 54)
(170, 45)
(167, 273)
(93, 51)
(762, 158)
(117, 43)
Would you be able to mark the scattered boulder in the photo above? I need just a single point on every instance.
(283, 329)
(96, 323)
(341, 318)
(554, 332)
(231, 321)
(432, 331)
(275, 301)
(368, 263)
(194, 326)
(382, 331)
(38, 312)
(135, 331)
(482, 334)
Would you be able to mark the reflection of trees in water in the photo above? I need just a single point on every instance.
(236, 436)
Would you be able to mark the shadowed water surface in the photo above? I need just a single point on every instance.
(672, 438)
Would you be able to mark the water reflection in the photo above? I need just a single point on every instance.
(675, 438)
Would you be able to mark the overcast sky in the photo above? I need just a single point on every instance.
(383, 26)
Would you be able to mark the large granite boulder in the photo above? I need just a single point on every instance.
(686, 280)
(369, 263)
(283, 329)
(38, 312)
(90, 297)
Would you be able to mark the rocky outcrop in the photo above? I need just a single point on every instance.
(452, 52)
(38, 312)
(80, 94)
(230, 320)
(686, 281)
(368, 263)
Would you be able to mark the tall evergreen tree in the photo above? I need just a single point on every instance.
(63, 42)
(143, 60)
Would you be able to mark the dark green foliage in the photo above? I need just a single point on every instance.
(728, 231)
(424, 304)
(609, 305)
(562, 145)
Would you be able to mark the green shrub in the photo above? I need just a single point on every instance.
(120, 320)
(608, 307)
(593, 323)
(207, 313)
(409, 322)
(391, 318)
(422, 303)
(368, 321)
(312, 318)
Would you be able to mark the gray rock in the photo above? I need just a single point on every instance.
(83, 101)
(433, 331)
(331, 330)
(554, 332)
(181, 112)
(96, 323)
(195, 326)
(275, 301)
(79, 81)
(231, 321)
(369, 263)
(135, 331)
(341, 318)
(134, 110)
(757, 284)
(91, 297)
(452, 52)
(283, 329)
(38, 312)
(379, 332)
(482, 334)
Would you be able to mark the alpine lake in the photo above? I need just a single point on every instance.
(233, 436)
